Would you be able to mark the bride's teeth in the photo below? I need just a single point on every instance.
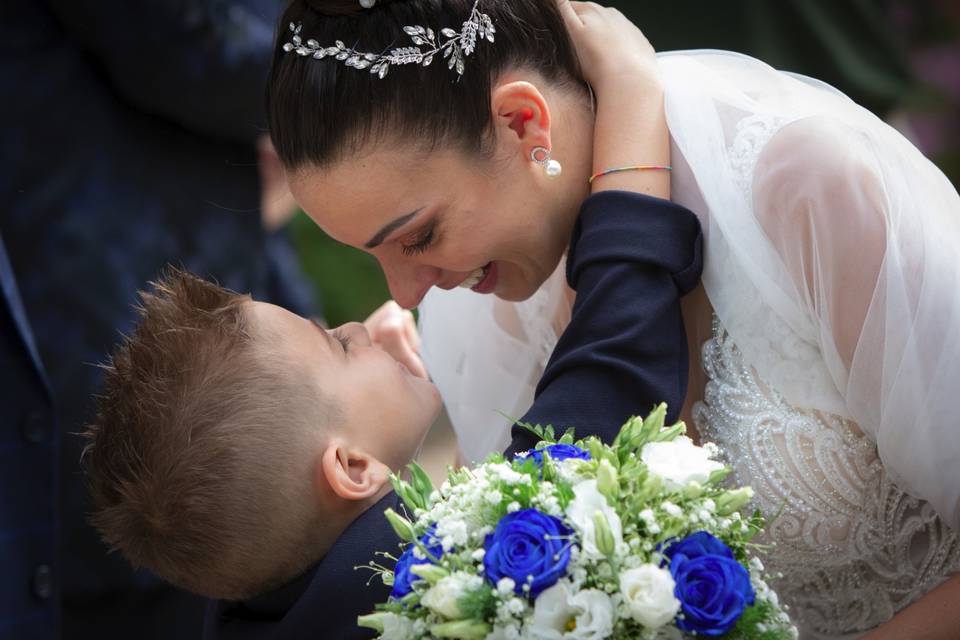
(473, 279)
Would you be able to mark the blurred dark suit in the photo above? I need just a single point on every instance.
(128, 143)
(28, 476)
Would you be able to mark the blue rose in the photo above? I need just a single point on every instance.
(401, 573)
(531, 548)
(557, 452)
(713, 588)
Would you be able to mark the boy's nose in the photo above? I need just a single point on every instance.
(357, 333)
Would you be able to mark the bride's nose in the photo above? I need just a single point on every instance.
(409, 283)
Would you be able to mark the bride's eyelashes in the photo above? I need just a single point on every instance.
(421, 242)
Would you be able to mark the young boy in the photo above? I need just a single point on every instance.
(242, 452)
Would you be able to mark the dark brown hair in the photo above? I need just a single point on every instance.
(319, 111)
(193, 461)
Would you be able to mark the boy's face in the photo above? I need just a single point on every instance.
(385, 409)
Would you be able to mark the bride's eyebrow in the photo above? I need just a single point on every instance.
(389, 228)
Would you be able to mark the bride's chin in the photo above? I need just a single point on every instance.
(516, 288)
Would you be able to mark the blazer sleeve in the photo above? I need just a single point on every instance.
(631, 259)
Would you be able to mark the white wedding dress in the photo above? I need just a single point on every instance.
(825, 338)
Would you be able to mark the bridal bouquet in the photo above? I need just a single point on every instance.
(579, 540)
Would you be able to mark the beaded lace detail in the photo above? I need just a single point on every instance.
(853, 549)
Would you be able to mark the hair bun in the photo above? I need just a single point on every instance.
(333, 8)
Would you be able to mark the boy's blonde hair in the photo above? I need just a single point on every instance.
(199, 461)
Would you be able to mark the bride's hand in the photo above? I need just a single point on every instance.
(613, 52)
(630, 126)
(393, 329)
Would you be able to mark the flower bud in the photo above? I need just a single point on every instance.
(373, 621)
(692, 490)
(719, 475)
(400, 525)
(596, 448)
(421, 481)
(651, 486)
(429, 572)
(608, 482)
(462, 629)
(653, 423)
(604, 537)
(731, 501)
(670, 433)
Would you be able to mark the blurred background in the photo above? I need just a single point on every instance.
(133, 137)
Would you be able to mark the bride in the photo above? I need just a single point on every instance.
(826, 334)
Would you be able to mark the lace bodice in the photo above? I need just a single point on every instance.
(853, 549)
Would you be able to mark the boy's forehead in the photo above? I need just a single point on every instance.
(267, 320)
(284, 333)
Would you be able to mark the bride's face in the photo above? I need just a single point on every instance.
(441, 219)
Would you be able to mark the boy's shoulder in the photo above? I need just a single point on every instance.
(325, 601)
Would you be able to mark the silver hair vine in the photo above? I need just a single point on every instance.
(457, 46)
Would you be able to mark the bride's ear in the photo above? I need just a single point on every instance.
(352, 474)
(519, 106)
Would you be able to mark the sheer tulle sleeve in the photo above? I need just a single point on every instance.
(832, 255)
(868, 232)
(486, 356)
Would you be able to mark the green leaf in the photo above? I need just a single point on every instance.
(478, 604)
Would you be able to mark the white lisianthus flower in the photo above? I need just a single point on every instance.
(560, 615)
(396, 627)
(586, 502)
(442, 598)
(679, 462)
(647, 592)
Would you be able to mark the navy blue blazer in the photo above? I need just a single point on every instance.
(29, 598)
(631, 258)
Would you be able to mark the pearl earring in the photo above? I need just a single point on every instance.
(541, 155)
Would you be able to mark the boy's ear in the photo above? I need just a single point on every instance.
(522, 107)
(352, 474)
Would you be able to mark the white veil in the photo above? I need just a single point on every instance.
(832, 259)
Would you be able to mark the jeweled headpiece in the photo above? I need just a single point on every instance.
(457, 46)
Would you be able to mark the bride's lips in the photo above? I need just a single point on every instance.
(489, 281)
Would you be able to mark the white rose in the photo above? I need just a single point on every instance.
(586, 502)
(558, 615)
(396, 627)
(679, 462)
(648, 594)
(443, 597)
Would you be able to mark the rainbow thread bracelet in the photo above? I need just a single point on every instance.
(630, 168)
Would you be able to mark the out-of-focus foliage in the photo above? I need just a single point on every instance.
(348, 281)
